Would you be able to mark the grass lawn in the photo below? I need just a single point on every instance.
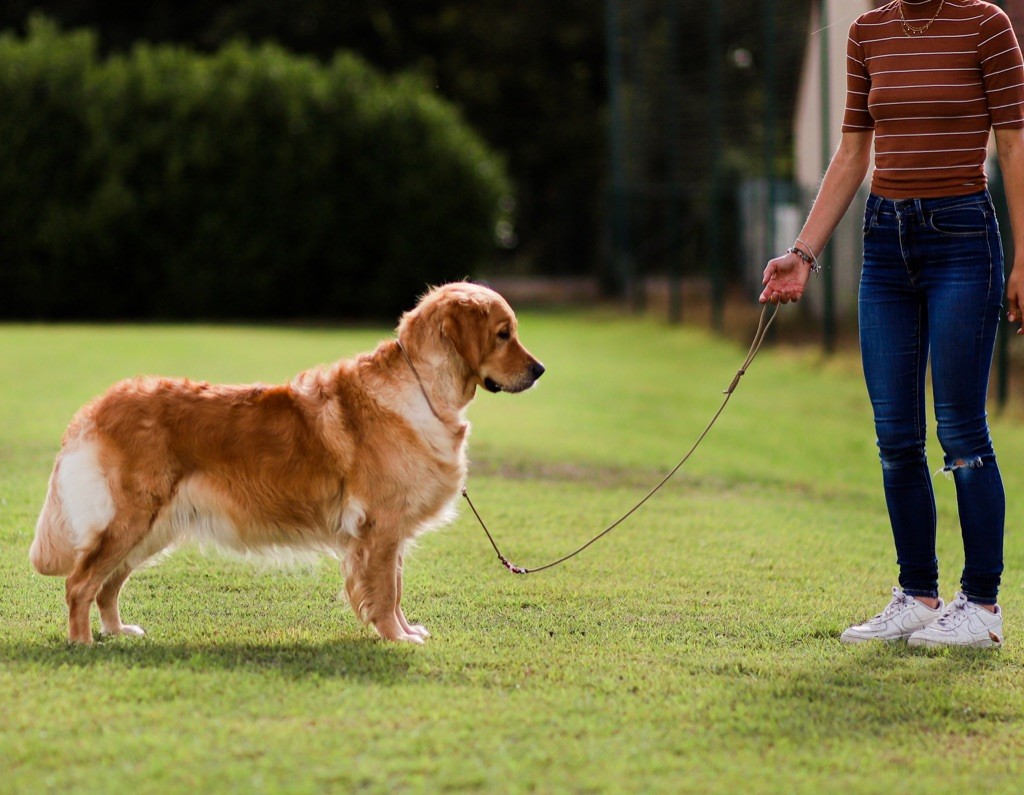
(693, 650)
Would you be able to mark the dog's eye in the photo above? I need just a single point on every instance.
(504, 334)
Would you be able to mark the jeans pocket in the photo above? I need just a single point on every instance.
(968, 220)
(869, 220)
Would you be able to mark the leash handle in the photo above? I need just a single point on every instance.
(755, 346)
(763, 324)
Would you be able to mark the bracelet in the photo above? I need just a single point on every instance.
(806, 256)
(816, 266)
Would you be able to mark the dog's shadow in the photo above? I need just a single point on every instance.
(360, 659)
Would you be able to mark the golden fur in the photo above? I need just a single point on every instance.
(353, 459)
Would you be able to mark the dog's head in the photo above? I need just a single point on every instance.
(479, 326)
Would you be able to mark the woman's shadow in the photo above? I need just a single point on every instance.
(876, 686)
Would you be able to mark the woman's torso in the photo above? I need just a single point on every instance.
(932, 98)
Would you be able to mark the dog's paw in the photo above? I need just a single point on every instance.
(403, 637)
(419, 629)
(398, 633)
(125, 629)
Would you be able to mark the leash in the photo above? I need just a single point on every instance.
(763, 325)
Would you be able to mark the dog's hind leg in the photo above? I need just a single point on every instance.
(107, 602)
(107, 598)
(372, 583)
(105, 562)
(412, 629)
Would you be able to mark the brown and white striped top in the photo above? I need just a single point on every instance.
(932, 98)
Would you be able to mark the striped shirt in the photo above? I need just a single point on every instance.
(932, 98)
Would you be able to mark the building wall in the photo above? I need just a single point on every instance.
(811, 156)
(1015, 10)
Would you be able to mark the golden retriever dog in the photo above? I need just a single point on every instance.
(354, 459)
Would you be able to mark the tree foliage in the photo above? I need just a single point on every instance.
(529, 76)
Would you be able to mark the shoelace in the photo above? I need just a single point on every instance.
(899, 601)
(954, 614)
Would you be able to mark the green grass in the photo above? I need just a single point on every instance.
(693, 650)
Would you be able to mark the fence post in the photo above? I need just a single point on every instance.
(1002, 353)
(768, 9)
(829, 310)
(621, 272)
(717, 142)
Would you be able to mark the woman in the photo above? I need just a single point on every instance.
(927, 82)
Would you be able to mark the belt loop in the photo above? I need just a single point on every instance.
(920, 211)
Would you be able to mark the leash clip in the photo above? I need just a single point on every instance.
(511, 567)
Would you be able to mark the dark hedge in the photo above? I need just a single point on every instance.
(250, 183)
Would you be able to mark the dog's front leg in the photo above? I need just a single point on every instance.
(372, 581)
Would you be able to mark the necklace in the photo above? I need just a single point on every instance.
(909, 29)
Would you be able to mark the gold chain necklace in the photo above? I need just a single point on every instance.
(909, 29)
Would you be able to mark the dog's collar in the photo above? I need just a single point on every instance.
(419, 381)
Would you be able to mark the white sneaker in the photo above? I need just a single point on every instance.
(902, 618)
(962, 624)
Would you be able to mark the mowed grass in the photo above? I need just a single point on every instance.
(695, 649)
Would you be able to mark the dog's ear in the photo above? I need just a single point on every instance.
(464, 325)
(417, 328)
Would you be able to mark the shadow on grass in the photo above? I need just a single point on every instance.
(360, 659)
(877, 688)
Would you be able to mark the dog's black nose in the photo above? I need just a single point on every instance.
(537, 370)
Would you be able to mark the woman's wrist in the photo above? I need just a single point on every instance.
(806, 247)
(806, 253)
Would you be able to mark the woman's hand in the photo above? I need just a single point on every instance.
(784, 279)
(1015, 296)
(1010, 146)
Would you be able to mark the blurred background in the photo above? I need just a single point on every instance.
(696, 85)
(312, 160)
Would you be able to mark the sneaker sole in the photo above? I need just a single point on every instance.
(851, 639)
(928, 643)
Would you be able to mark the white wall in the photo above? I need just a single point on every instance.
(810, 160)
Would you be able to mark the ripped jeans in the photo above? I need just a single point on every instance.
(931, 286)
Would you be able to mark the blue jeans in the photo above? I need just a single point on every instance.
(932, 285)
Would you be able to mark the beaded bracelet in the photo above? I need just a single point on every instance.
(810, 259)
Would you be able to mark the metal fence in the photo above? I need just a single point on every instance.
(702, 97)
(704, 116)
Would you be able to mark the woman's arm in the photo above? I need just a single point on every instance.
(1010, 146)
(785, 276)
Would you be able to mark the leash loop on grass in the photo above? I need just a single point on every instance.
(763, 324)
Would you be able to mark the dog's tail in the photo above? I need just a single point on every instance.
(52, 551)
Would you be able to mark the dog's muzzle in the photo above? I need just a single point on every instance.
(536, 371)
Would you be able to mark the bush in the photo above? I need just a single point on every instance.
(250, 183)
